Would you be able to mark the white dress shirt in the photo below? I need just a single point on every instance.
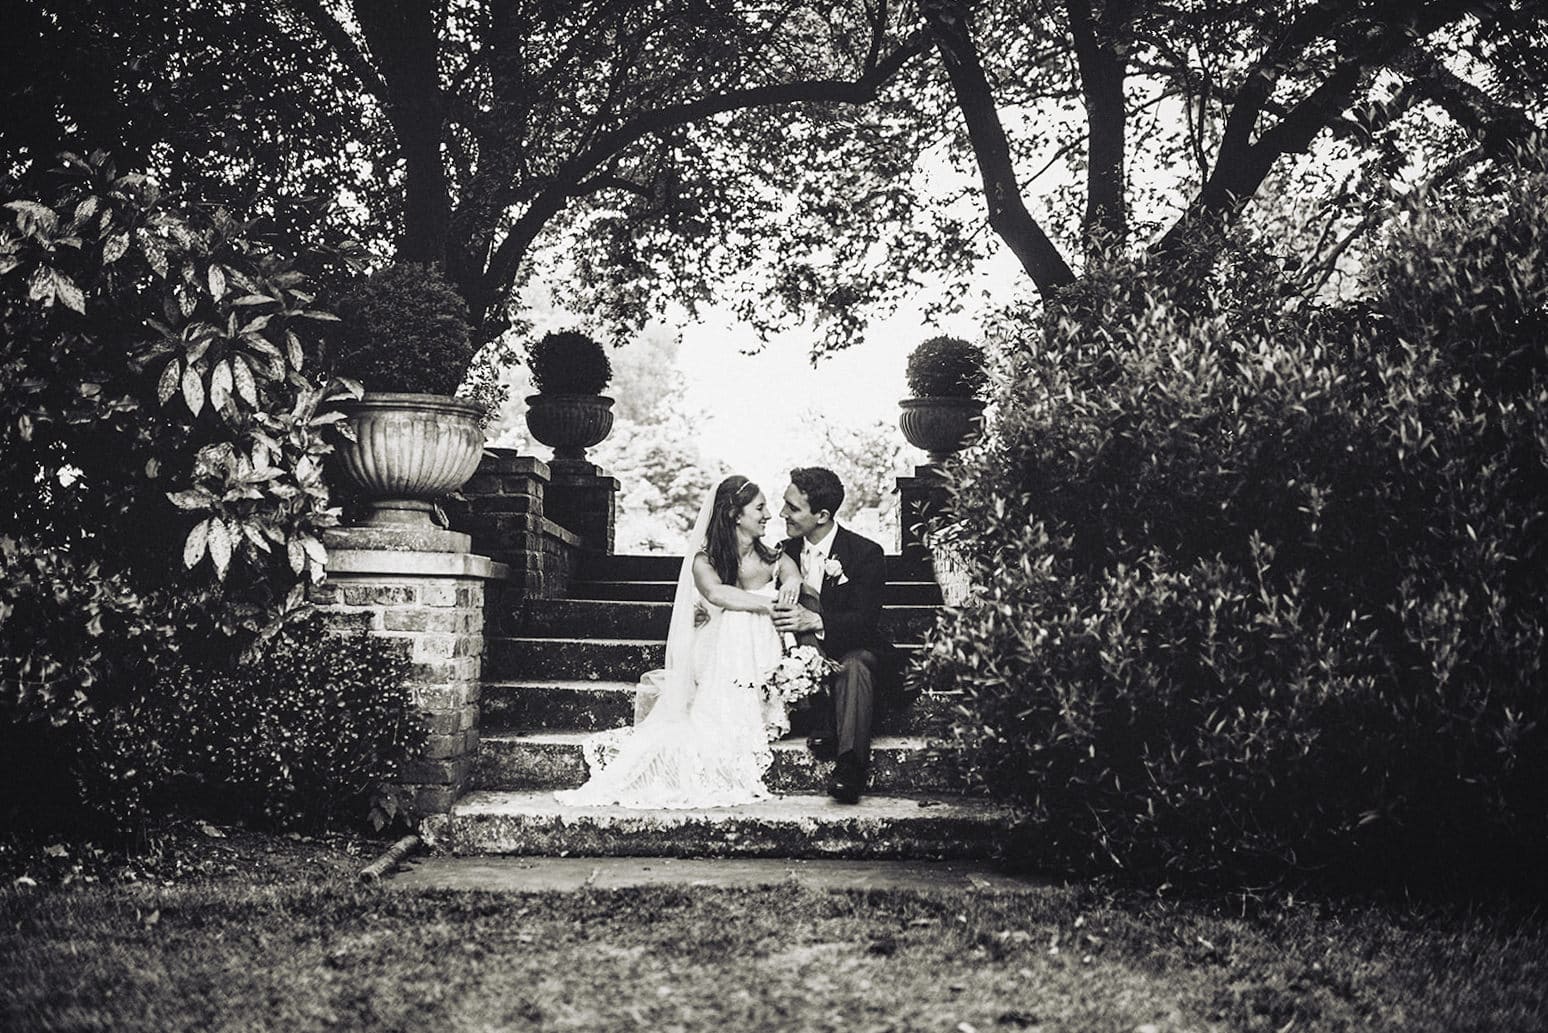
(814, 556)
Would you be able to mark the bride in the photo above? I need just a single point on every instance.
(702, 727)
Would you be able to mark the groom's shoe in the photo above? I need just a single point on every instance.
(821, 746)
(848, 780)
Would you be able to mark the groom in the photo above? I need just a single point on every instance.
(846, 572)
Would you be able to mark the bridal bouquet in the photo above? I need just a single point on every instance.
(799, 673)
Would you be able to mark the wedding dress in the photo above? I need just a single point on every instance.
(702, 726)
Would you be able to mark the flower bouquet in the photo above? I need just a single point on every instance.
(797, 675)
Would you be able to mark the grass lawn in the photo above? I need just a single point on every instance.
(277, 935)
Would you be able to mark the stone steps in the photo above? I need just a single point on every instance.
(636, 619)
(569, 666)
(556, 704)
(584, 659)
(534, 823)
(553, 760)
(894, 593)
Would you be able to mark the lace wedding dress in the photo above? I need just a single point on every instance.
(702, 731)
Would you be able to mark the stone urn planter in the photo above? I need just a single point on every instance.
(409, 450)
(940, 426)
(569, 423)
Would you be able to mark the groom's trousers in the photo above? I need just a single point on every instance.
(854, 697)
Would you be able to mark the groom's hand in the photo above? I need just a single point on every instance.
(796, 619)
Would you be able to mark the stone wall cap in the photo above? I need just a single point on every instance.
(397, 539)
(564, 534)
(398, 562)
(509, 461)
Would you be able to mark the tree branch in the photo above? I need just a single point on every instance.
(1008, 215)
(1498, 128)
(1323, 268)
(336, 36)
(1241, 163)
(607, 145)
(598, 183)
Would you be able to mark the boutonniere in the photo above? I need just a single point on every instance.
(833, 569)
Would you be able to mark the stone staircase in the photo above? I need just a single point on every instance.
(565, 667)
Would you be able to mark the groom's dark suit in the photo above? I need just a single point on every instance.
(851, 606)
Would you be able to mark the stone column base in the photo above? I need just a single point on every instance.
(583, 498)
(432, 604)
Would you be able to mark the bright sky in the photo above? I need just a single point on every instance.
(754, 402)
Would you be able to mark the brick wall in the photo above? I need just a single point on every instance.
(507, 511)
(433, 605)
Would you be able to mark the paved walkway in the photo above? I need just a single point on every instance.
(526, 874)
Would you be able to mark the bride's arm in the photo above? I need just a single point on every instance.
(789, 575)
(727, 597)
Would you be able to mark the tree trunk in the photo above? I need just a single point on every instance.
(404, 37)
(1099, 55)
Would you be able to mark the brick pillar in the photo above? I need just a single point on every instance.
(583, 499)
(432, 602)
(505, 510)
(924, 497)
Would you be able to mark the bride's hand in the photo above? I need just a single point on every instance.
(790, 593)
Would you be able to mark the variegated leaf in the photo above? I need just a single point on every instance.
(220, 547)
(193, 390)
(167, 386)
(220, 385)
(194, 545)
(253, 535)
(191, 499)
(68, 293)
(115, 247)
(246, 387)
(154, 254)
(315, 552)
(217, 278)
(42, 286)
(296, 554)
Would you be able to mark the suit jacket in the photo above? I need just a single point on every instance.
(851, 610)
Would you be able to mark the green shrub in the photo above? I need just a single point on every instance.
(155, 419)
(946, 367)
(568, 362)
(308, 733)
(1260, 589)
(404, 329)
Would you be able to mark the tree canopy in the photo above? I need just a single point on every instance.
(785, 156)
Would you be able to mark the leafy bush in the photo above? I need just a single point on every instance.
(152, 362)
(404, 329)
(65, 627)
(1260, 588)
(569, 362)
(308, 733)
(946, 367)
(164, 449)
(314, 729)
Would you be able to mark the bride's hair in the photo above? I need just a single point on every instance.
(731, 497)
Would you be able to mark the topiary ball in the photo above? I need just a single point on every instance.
(568, 362)
(403, 329)
(946, 367)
